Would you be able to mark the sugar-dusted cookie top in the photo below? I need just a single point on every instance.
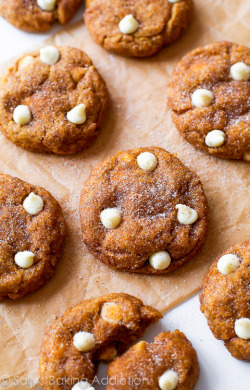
(52, 100)
(209, 95)
(96, 329)
(38, 15)
(32, 233)
(225, 299)
(142, 210)
(136, 28)
(168, 363)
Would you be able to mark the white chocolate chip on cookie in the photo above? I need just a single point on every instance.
(128, 25)
(24, 259)
(186, 215)
(77, 115)
(246, 156)
(168, 380)
(202, 98)
(147, 161)
(49, 55)
(47, 5)
(160, 260)
(242, 328)
(82, 385)
(240, 72)
(112, 312)
(84, 341)
(215, 138)
(111, 218)
(228, 264)
(22, 115)
(33, 204)
(25, 62)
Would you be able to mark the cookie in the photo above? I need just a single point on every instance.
(32, 234)
(143, 211)
(225, 298)
(209, 94)
(52, 100)
(96, 329)
(136, 28)
(169, 363)
(38, 15)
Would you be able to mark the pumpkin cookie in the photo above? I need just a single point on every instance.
(209, 94)
(38, 15)
(225, 298)
(143, 211)
(32, 234)
(96, 329)
(52, 100)
(169, 363)
(136, 28)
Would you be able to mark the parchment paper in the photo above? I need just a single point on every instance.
(137, 117)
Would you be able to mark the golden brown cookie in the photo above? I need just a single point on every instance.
(52, 100)
(143, 211)
(32, 234)
(170, 362)
(38, 15)
(136, 28)
(96, 329)
(209, 94)
(225, 298)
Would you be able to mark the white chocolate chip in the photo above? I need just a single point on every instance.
(49, 55)
(22, 115)
(77, 115)
(47, 5)
(84, 341)
(33, 204)
(168, 380)
(111, 218)
(25, 62)
(246, 156)
(215, 138)
(186, 215)
(228, 264)
(24, 259)
(160, 260)
(147, 161)
(242, 328)
(112, 312)
(202, 98)
(83, 385)
(240, 72)
(128, 25)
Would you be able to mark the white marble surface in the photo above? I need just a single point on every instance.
(219, 371)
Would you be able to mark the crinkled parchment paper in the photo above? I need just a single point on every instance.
(137, 117)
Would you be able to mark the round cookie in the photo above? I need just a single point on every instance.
(38, 15)
(225, 298)
(32, 234)
(143, 211)
(138, 28)
(169, 363)
(209, 94)
(96, 329)
(55, 108)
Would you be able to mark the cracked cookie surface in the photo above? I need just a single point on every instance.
(42, 234)
(50, 92)
(146, 201)
(142, 366)
(209, 68)
(113, 331)
(160, 23)
(28, 16)
(225, 299)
